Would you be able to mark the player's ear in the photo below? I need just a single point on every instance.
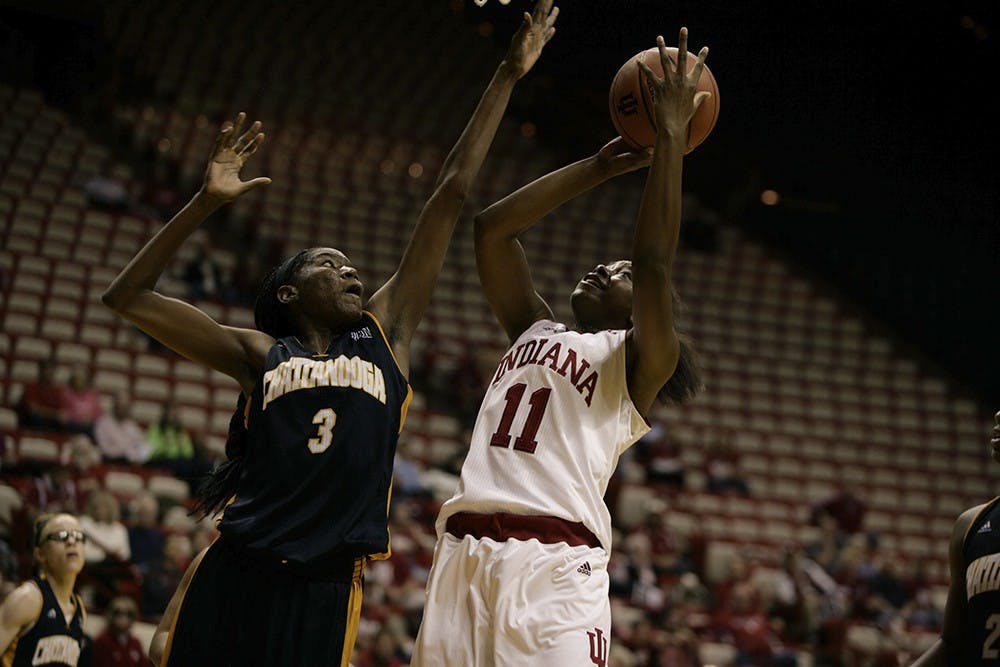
(287, 293)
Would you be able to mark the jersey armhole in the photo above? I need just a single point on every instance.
(385, 339)
(975, 519)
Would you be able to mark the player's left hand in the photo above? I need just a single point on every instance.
(676, 96)
(529, 40)
(620, 158)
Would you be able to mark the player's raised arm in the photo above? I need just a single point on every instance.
(179, 325)
(401, 302)
(654, 347)
(503, 268)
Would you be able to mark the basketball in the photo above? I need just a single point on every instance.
(631, 102)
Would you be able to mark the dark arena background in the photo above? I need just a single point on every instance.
(840, 259)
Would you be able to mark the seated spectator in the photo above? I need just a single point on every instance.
(173, 447)
(107, 550)
(66, 486)
(107, 537)
(203, 274)
(119, 436)
(80, 402)
(846, 508)
(385, 651)
(408, 473)
(826, 549)
(722, 466)
(743, 623)
(669, 551)
(165, 574)
(105, 192)
(145, 538)
(116, 646)
(662, 456)
(40, 406)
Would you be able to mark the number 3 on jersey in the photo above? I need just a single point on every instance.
(538, 401)
(326, 418)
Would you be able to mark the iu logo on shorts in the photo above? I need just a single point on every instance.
(598, 647)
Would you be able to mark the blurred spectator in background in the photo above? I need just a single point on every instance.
(202, 273)
(107, 193)
(66, 486)
(743, 623)
(107, 550)
(116, 646)
(826, 549)
(845, 507)
(668, 548)
(165, 574)
(173, 447)
(107, 537)
(722, 468)
(80, 402)
(242, 286)
(406, 472)
(40, 406)
(119, 436)
(385, 650)
(145, 538)
(661, 455)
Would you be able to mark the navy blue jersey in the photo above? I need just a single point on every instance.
(50, 641)
(322, 431)
(981, 555)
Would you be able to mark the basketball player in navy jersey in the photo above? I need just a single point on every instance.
(324, 397)
(41, 621)
(520, 568)
(970, 636)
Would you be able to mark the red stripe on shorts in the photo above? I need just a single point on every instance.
(501, 527)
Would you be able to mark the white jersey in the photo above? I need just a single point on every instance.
(555, 419)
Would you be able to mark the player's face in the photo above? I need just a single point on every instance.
(995, 437)
(60, 546)
(328, 287)
(603, 298)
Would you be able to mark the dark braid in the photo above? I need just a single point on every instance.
(271, 317)
(685, 383)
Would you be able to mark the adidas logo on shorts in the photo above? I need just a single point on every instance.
(584, 569)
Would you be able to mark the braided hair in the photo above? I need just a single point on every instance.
(270, 316)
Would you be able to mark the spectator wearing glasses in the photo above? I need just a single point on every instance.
(41, 621)
(116, 646)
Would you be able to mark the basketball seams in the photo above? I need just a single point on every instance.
(633, 126)
(620, 126)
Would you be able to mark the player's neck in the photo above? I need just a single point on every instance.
(62, 586)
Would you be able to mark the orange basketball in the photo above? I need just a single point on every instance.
(631, 101)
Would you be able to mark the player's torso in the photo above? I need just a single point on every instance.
(554, 420)
(52, 641)
(982, 579)
(322, 433)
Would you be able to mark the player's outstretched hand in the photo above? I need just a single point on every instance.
(529, 40)
(232, 150)
(620, 158)
(676, 95)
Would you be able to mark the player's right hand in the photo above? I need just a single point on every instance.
(535, 32)
(231, 151)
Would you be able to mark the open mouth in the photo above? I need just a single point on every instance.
(593, 280)
(354, 290)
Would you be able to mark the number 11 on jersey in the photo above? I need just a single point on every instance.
(538, 401)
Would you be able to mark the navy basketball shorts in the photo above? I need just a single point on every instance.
(242, 609)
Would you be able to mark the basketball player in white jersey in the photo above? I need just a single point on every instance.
(520, 569)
